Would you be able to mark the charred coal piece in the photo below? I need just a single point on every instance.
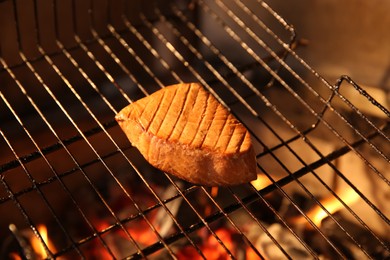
(17, 245)
(290, 246)
(363, 241)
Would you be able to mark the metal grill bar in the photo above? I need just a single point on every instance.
(81, 133)
(240, 99)
(180, 57)
(274, 55)
(313, 147)
(148, 70)
(18, 203)
(259, 195)
(211, 76)
(236, 18)
(320, 118)
(231, 32)
(91, 113)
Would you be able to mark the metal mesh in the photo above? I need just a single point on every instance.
(69, 66)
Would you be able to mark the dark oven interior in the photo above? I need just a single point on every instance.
(72, 186)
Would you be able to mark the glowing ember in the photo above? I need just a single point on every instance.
(214, 191)
(120, 240)
(14, 256)
(211, 248)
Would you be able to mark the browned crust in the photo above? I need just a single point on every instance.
(198, 164)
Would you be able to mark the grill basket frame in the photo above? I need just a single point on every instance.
(75, 78)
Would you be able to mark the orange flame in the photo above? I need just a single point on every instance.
(331, 204)
(261, 182)
(214, 193)
(211, 248)
(36, 244)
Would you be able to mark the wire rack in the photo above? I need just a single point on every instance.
(69, 66)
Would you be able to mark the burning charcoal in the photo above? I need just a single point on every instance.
(24, 245)
(319, 244)
(163, 220)
(16, 246)
(286, 240)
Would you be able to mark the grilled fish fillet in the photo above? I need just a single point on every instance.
(183, 130)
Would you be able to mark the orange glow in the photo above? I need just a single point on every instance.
(214, 250)
(214, 191)
(37, 245)
(261, 182)
(14, 256)
(142, 233)
(211, 248)
(332, 205)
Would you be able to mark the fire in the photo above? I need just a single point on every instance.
(211, 248)
(214, 191)
(331, 204)
(37, 245)
(261, 182)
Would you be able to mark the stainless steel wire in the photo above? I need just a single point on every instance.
(211, 72)
(234, 35)
(219, 77)
(228, 11)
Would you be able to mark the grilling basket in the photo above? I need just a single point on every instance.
(72, 186)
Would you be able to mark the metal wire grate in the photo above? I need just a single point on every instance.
(69, 66)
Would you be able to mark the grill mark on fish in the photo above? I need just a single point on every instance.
(227, 131)
(209, 119)
(161, 112)
(183, 138)
(185, 111)
(236, 140)
(230, 137)
(179, 112)
(198, 127)
(220, 132)
(171, 106)
(150, 121)
(215, 127)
